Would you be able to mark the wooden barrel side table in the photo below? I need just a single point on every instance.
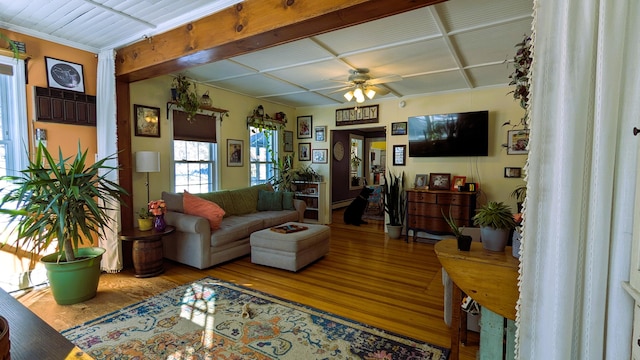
(147, 252)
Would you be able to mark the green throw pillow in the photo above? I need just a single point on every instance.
(269, 200)
(287, 201)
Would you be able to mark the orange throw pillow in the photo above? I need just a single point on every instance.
(209, 210)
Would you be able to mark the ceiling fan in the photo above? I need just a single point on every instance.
(361, 84)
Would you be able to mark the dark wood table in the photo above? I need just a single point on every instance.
(31, 337)
(147, 253)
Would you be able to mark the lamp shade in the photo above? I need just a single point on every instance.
(147, 161)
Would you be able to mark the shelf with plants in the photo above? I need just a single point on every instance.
(312, 194)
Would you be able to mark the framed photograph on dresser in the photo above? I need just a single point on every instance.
(439, 181)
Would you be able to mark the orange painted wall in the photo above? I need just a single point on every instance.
(61, 136)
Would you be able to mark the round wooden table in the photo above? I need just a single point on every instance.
(147, 253)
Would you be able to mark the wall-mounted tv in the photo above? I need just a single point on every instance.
(455, 134)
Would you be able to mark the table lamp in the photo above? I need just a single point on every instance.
(147, 161)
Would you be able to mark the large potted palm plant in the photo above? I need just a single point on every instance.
(394, 203)
(65, 202)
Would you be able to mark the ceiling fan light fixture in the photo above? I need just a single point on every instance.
(358, 93)
(348, 95)
(370, 93)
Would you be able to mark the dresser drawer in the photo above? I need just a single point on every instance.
(431, 224)
(417, 196)
(454, 199)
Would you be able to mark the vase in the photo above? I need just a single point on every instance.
(464, 242)
(158, 223)
(145, 224)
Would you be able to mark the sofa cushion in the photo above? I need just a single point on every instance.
(273, 218)
(220, 197)
(245, 200)
(269, 200)
(234, 228)
(173, 201)
(194, 205)
(287, 201)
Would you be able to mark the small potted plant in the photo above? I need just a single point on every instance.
(519, 194)
(145, 219)
(464, 241)
(184, 97)
(63, 201)
(496, 221)
(394, 203)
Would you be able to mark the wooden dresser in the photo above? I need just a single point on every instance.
(424, 210)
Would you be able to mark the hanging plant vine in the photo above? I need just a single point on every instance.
(520, 78)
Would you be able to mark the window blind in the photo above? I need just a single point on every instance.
(202, 128)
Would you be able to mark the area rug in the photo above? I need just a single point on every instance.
(213, 319)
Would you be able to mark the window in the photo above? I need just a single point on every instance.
(13, 117)
(194, 166)
(263, 147)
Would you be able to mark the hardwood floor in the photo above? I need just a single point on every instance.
(366, 277)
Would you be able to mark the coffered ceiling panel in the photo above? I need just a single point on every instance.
(454, 45)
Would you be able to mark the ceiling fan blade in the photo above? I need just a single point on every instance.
(379, 90)
(341, 90)
(384, 79)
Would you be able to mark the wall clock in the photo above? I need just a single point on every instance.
(338, 150)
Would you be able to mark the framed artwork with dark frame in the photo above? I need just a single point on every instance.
(288, 141)
(234, 152)
(517, 142)
(147, 120)
(458, 181)
(399, 154)
(512, 172)
(399, 128)
(319, 156)
(439, 181)
(64, 75)
(420, 182)
(304, 151)
(305, 124)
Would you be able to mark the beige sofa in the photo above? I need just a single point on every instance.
(195, 244)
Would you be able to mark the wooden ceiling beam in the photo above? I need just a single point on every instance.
(248, 26)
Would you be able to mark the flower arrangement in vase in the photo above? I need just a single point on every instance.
(158, 208)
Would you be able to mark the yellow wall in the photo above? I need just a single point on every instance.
(488, 171)
(156, 93)
(61, 136)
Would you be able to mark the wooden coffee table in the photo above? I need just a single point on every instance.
(147, 250)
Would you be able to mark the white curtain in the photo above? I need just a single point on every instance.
(107, 146)
(582, 170)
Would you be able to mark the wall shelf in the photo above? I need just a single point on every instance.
(222, 112)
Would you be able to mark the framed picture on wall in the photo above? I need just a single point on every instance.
(288, 141)
(64, 75)
(234, 152)
(517, 142)
(304, 127)
(321, 133)
(146, 121)
(399, 128)
(399, 154)
(304, 151)
(319, 156)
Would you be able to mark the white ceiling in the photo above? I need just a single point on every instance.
(455, 45)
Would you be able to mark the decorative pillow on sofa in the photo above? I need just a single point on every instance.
(287, 201)
(194, 205)
(269, 200)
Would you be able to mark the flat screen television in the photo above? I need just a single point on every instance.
(455, 134)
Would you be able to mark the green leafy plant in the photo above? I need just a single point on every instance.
(496, 215)
(520, 77)
(12, 45)
(144, 213)
(63, 200)
(186, 98)
(455, 229)
(519, 193)
(394, 198)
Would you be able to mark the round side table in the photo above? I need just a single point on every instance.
(147, 250)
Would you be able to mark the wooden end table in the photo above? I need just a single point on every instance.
(147, 250)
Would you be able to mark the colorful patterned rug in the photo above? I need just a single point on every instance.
(213, 319)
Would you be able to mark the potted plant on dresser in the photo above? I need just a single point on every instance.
(394, 203)
(63, 201)
(496, 221)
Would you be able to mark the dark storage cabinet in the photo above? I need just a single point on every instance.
(65, 107)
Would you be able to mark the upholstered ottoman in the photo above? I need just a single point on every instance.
(290, 251)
